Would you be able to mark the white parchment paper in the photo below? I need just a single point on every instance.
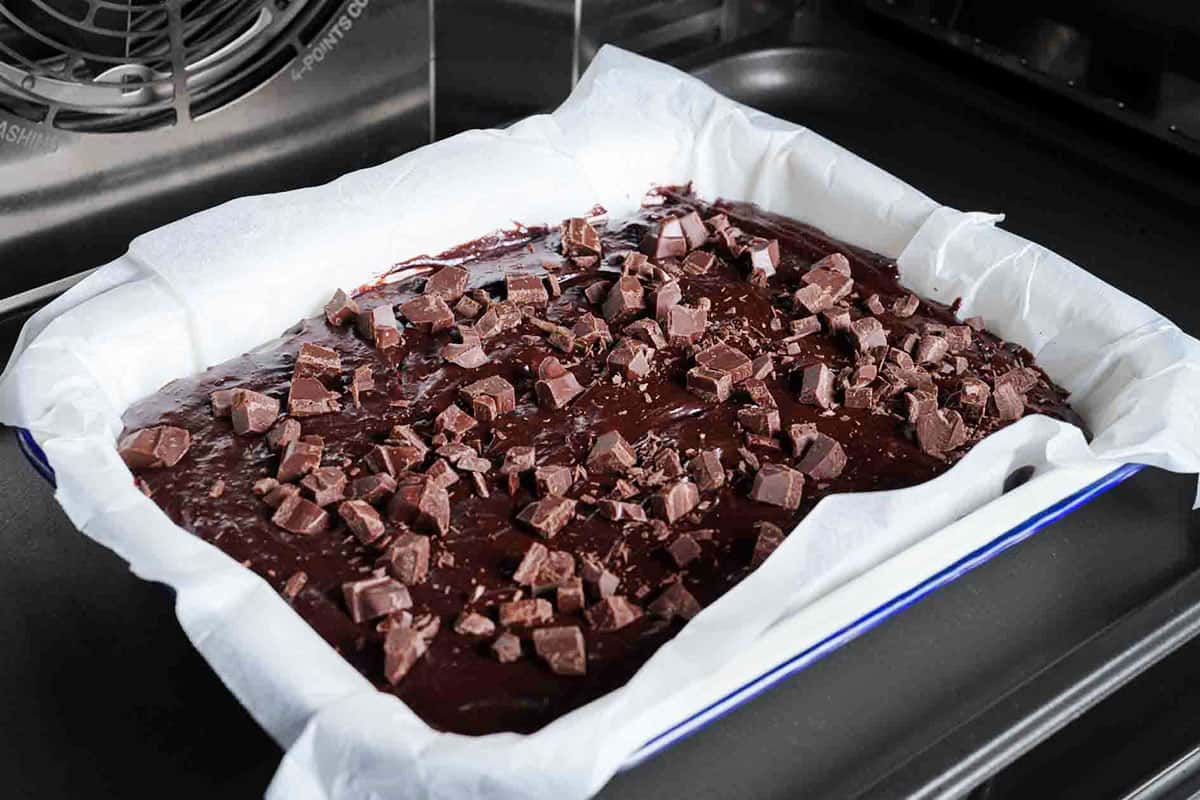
(191, 294)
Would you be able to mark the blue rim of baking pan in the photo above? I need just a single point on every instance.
(789, 666)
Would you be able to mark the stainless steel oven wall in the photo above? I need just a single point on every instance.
(327, 87)
(500, 60)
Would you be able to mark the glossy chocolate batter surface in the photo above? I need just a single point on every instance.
(871, 413)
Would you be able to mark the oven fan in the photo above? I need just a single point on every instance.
(131, 65)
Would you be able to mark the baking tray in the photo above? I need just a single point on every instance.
(816, 712)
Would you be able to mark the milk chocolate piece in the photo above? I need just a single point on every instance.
(372, 488)
(931, 349)
(1021, 379)
(835, 262)
(675, 500)
(308, 397)
(506, 648)
(222, 403)
(362, 520)
(769, 538)
(1009, 403)
(611, 613)
(380, 327)
(958, 338)
(764, 257)
(549, 515)
(709, 384)
(279, 493)
(973, 396)
(497, 388)
(300, 516)
(675, 602)
(526, 290)
(428, 313)
(824, 459)
(294, 584)
(685, 325)
(448, 283)
(940, 431)
(778, 485)
(590, 329)
(568, 597)
(402, 648)
(556, 393)
(453, 421)
(812, 298)
(684, 550)
(562, 649)
(597, 291)
(611, 453)
(152, 448)
(763, 421)
(619, 511)
(518, 459)
(919, 402)
(298, 459)
(472, 623)
(362, 381)
(625, 300)
(315, 360)
(629, 359)
(553, 480)
(759, 394)
(341, 309)
(635, 264)
(393, 459)
(468, 354)
(817, 386)
(422, 504)
(468, 307)
(805, 326)
(693, 229)
(408, 558)
(579, 238)
(252, 412)
(556, 569)
(599, 580)
(905, 306)
(835, 284)
(531, 564)
(699, 262)
(667, 462)
(874, 305)
(706, 470)
(327, 485)
(372, 598)
(762, 367)
(665, 240)
(489, 324)
(531, 611)
(664, 298)
(858, 397)
(868, 334)
(723, 358)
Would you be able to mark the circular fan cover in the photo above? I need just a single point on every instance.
(119, 65)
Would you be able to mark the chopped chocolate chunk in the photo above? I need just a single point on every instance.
(558, 567)
(307, 397)
(253, 412)
(579, 238)
(556, 393)
(549, 515)
(764, 258)
(619, 511)
(279, 493)
(778, 485)
(1022, 379)
(762, 367)
(152, 448)
(472, 623)
(874, 305)
(599, 580)
(667, 462)
(506, 648)
(341, 309)
(919, 402)
(590, 329)
(685, 325)
(378, 325)
(526, 290)
(475, 464)
(665, 240)
(362, 381)
(1010, 404)
(562, 649)
(973, 398)
(836, 319)
(518, 459)
(835, 262)
(664, 298)
(531, 611)
(393, 459)
(635, 264)
(509, 314)
(568, 597)
(675, 601)
(218, 488)
(468, 355)
(626, 300)
(611, 453)
(817, 386)
(940, 431)
(298, 459)
(421, 503)
(763, 421)
(448, 283)
(362, 520)
(294, 584)
(958, 338)
(812, 298)
(684, 550)
(531, 564)
(699, 262)
(612, 613)
(222, 403)
(408, 558)
(467, 307)
(858, 397)
(905, 306)
(835, 284)
(553, 480)
(372, 598)
(706, 470)
(931, 349)
(675, 500)
(693, 229)
(488, 325)
(723, 358)
(326, 484)
(770, 536)
(453, 421)
(758, 392)
(428, 313)
(975, 323)
(630, 359)
(824, 459)
(868, 334)
(406, 436)
(373, 488)
(805, 326)
(597, 291)
(297, 515)
(717, 222)
(402, 648)
(315, 360)
(709, 384)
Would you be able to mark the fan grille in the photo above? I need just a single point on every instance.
(121, 65)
